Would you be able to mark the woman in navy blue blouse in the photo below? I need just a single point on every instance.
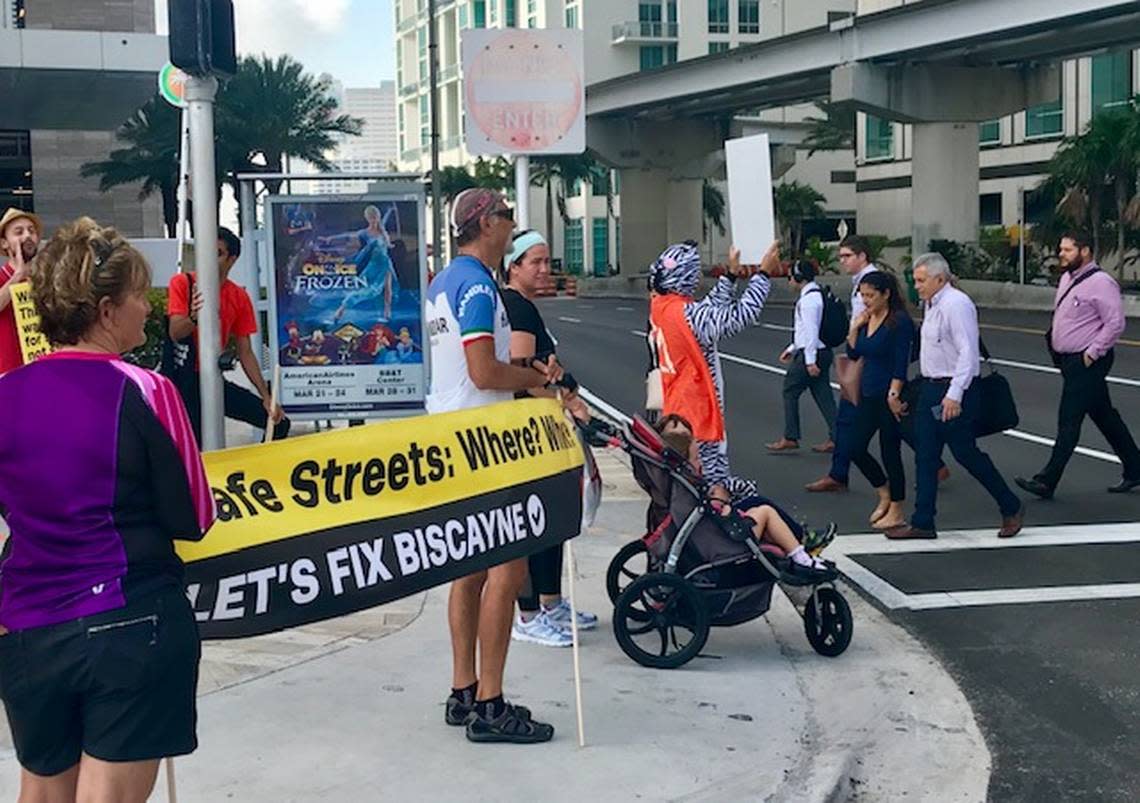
(881, 336)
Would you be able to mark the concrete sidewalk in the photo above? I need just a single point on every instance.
(352, 710)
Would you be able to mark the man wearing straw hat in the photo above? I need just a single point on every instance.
(20, 234)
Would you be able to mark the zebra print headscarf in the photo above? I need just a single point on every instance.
(677, 270)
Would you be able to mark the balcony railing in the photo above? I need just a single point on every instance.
(409, 89)
(644, 32)
(449, 72)
(449, 143)
(406, 24)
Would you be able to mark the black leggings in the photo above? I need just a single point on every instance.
(544, 577)
(871, 416)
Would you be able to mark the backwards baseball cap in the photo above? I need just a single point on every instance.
(472, 204)
(15, 214)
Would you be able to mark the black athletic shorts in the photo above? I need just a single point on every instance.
(118, 686)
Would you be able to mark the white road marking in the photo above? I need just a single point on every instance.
(1049, 369)
(569, 320)
(624, 309)
(638, 333)
(843, 548)
(777, 327)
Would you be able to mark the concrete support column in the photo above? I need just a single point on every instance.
(945, 183)
(644, 201)
(683, 211)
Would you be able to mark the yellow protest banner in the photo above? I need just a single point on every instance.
(322, 525)
(33, 344)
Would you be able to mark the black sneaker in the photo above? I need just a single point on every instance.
(458, 712)
(514, 725)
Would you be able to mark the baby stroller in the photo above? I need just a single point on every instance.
(694, 569)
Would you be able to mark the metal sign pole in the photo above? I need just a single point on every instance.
(522, 193)
(436, 199)
(200, 94)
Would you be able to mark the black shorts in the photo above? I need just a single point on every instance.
(118, 686)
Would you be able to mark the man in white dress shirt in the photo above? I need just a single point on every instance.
(808, 361)
(949, 401)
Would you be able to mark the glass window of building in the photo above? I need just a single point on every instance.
(718, 16)
(880, 138)
(601, 243)
(617, 243)
(425, 122)
(652, 57)
(575, 253)
(479, 13)
(649, 19)
(571, 16)
(494, 4)
(718, 47)
(671, 9)
(421, 40)
(1111, 81)
(989, 209)
(670, 54)
(1044, 120)
(511, 13)
(463, 18)
(989, 132)
(16, 171)
(748, 16)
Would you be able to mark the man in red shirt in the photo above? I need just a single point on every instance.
(20, 234)
(239, 321)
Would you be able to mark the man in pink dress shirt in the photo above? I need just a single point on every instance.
(1088, 319)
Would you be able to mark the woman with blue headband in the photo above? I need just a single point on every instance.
(544, 615)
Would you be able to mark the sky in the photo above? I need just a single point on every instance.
(352, 40)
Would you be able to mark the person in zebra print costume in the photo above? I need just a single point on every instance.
(722, 313)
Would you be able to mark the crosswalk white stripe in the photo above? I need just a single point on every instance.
(1021, 596)
(957, 540)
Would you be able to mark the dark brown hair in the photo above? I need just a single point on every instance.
(82, 264)
(858, 245)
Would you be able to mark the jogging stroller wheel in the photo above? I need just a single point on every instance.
(630, 563)
(661, 621)
(827, 622)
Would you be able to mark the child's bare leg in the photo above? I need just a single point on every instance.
(769, 525)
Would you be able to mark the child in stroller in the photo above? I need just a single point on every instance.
(765, 521)
(696, 568)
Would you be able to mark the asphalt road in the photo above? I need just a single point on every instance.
(1040, 631)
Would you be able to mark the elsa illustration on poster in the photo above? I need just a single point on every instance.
(374, 265)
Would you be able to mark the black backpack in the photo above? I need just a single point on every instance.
(835, 324)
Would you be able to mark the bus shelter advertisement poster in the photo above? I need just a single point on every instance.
(348, 304)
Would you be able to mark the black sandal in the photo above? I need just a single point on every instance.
(514, 725)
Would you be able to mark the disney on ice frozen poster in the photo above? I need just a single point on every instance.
(347, 303)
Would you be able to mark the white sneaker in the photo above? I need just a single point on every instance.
(540, 630)
(559, 615)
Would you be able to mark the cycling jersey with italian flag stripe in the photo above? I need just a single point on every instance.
(463, 306)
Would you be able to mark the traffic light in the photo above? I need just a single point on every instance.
(202, 36)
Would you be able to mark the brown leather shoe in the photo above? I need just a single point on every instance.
(1011, 525)
(824, 448)
(906, 532)
(826, 484)
(943, 475)
(783, 445)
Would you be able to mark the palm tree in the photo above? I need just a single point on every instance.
(271, 109)
(565, 171)
(796, 203)
(151, 157)
(494, 174)
(834, 131)
(454, 180)
(712, 212)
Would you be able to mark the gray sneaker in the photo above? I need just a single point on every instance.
(540, 630)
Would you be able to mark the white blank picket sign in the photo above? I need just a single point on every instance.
(750, 207)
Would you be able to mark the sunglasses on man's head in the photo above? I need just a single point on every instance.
(506, 213)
